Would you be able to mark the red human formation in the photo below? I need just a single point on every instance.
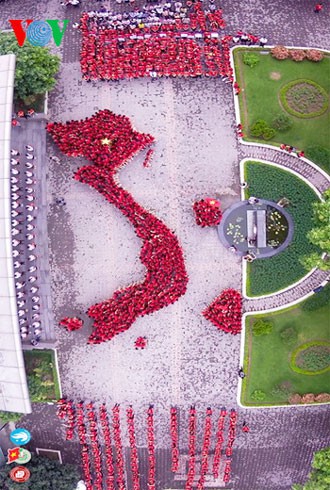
(225, 312)
(207, 212)
(182, 47)
(109, 141)
(191, 448)
(71, 324)
(174, 439)
(100, 463)
(206, 448)
(219, 443)
(151, 448)
(134, 452)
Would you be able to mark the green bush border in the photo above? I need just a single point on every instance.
(285, 88)
(302, 347)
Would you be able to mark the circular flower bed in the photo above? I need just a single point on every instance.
(311, 358)
(304, 98)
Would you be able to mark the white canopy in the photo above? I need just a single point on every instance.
(14, 395)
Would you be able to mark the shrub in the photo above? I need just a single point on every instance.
(10, 416)
(258, 395)
(282, 390)
(319, 155)
(322, 398)
(282, 122)
(295, 399)
(314, 55)
(268, 134)
(308, 398)
(280, 52)
(260, 327)
(261, 129)
(289, 335)
(258, 127)
(251, 59)
(297, 54)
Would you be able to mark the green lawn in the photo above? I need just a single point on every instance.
(42, 375)
(259, 98)
(267, 358)
(265, 276)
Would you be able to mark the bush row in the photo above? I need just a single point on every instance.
(283, 53)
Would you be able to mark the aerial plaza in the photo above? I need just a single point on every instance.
(164, 317)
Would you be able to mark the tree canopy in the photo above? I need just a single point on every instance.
(46, 474)
(35, 66)
(319, 478)
(320, 234)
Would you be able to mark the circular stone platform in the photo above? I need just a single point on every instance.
(256, 228)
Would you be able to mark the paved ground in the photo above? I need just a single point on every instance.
(181, 364)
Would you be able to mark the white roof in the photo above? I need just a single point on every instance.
(14, 395)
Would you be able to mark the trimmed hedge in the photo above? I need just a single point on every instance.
(319, 155)
(289, 109)
(318, 300)
(303, 347)
(268, 182)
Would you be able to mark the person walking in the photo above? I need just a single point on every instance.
(318, 7)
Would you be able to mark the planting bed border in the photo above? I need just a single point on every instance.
(305, 346)
(290, 110)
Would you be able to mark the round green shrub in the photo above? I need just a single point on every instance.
(251, 59)
(260, 327)
(258, 127)
(289, 335)
(258, 395)
(268, 134)
(282, 122)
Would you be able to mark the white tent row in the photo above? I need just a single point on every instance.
(14, 395)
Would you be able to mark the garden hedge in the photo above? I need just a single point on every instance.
(271, 274)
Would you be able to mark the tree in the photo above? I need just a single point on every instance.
(9, 417)
(319, 478)
(46, 474)
(35, 66)
(320, 235)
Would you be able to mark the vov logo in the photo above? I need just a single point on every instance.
(38, 32)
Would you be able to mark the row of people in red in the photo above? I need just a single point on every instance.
(119, 447)
(225, 312)
(104, 419)
(205, 449)
(109, 141)
(291, 149)
(230, 443)
(151, 449)
(134, 451)
(207, 212)
(191, 448)
(84, 447)
(174, 439)
(96, 449)
(219, 443)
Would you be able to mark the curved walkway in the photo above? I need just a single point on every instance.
(321, 183)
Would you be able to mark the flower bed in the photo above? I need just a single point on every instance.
(109, 141)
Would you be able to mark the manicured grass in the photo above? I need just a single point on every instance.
(268, 275)
(42, 375)
(259, 98)
(267, 358)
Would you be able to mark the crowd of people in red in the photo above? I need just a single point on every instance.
(225, 312)
(178, 48)
(151, 448)
(71, 324)
(109, 141)
(134, 451)
(192, 424)
(230, 443)
(119, 447)
(219, 443)
(174, 439)
(104, 420)
(207, 212)
(101, 463)
(205, 448)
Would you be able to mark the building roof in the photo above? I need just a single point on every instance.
(14, 395)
